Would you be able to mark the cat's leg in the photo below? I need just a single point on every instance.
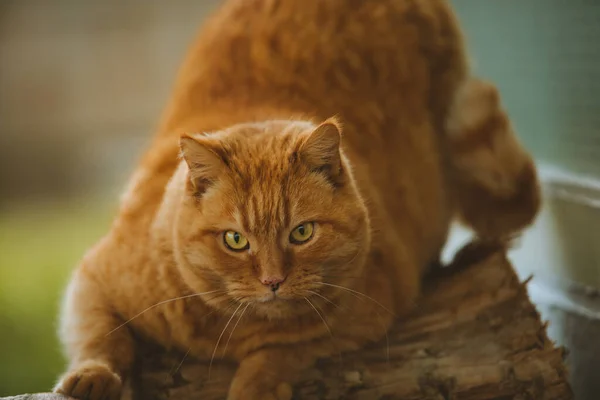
(100, 352)
(366, 314)
(494, 177)
(267, 374)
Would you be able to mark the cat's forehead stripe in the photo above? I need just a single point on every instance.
(263, 208)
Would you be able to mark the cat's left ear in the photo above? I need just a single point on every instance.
(321, 149)
(204, 161)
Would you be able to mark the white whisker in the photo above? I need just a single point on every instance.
(159, 304)
(379, 319)
(359, 293)
(353, 258)
(181, 363)
(320, 316)
(326, 326)
(325, 298)
(219, 340)
(387, 338)
(235, 326)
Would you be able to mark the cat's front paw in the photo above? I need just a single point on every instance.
(257, 391)
(90, 381)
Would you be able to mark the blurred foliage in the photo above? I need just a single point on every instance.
(39, 247)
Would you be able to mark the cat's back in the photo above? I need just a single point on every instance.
(324, 57)
(386, 68)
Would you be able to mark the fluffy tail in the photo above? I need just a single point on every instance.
(495, 180)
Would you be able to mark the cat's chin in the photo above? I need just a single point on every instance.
(275, 307)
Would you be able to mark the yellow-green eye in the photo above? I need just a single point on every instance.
(235, 241)
(302, 233)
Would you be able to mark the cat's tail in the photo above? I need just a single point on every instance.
(493, 177)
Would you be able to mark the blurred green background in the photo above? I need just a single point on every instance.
(82, 87)
(83, 84)
(40, 245)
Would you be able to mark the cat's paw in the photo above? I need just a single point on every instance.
(90, 381)
(482, 143)
(282, 391)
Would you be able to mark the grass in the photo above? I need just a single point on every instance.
(39, 246)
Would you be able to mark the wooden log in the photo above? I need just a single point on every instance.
(475, 335)
(41, 396)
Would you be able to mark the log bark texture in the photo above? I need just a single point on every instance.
(475, 335)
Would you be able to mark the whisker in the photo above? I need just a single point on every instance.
(354, 257)
(325, 298)
(229, 304)
(345, 265)
(181, 363)
(219, 339)
(387, 338)
(173, 372)
(326, 326)
(235, 326)
(320, 316)
(359, 293)
(379, 319)
(343, 276)
(159, 304)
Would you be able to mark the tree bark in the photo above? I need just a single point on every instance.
(475, 335)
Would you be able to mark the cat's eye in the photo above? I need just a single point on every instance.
(302, 233)
(235, 241)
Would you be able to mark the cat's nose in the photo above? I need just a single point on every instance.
(273, 282)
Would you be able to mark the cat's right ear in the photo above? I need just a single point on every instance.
(203, 160)
(321, 150)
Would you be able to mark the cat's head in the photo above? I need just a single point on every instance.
(270, 216)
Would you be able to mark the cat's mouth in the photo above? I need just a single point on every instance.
(275, 297)
(276, 300)
(275, 306)
(269, 297)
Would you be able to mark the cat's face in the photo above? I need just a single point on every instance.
(271, 217)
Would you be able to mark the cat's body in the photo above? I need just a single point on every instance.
(422, 142)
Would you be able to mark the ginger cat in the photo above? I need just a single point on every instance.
(325, 148)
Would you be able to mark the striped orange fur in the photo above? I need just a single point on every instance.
(305, 174)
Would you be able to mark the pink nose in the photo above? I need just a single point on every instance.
(273, 282)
